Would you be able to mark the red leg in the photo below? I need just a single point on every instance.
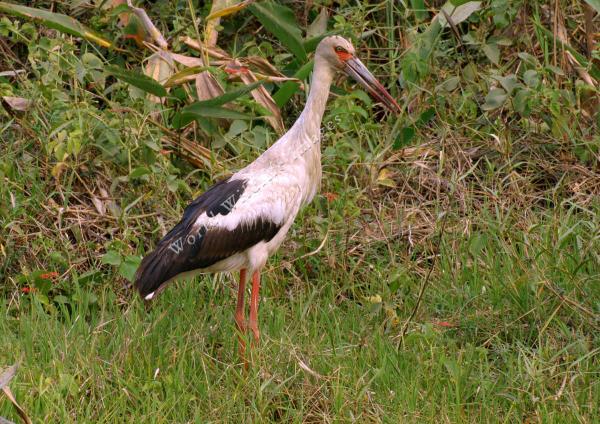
(254, 306)
(240, 317)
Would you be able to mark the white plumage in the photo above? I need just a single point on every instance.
(238, 223)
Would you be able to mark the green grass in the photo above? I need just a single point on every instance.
(508, 329)
(517, 351)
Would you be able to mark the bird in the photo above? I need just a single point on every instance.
(239, 222)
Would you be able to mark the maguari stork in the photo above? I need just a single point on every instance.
(239, 222)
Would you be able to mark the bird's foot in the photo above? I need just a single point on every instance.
(255, 334)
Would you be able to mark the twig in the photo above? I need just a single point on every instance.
(148, 25)
(425, 282)
(588, 14)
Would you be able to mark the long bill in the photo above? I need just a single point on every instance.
(357, 70)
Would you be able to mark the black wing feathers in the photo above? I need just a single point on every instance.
(185, 249)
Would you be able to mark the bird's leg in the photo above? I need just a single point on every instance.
(240, 315)
(253, 324)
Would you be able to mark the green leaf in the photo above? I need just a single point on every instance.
(458, 13)
(200, 110)
(509, 82)
(449, 85)
(58, 21)
(405, 137)
(281, 22)
(418, 6)
(477, 243)
(111, 258)
(211, 108)
(213, 112)
(289, 88)
(414, 67)
(129, 266)
(42, 284)
(492, 52)
(531, 78)
(139, 172)
(521, 102)
(426, 116)
(595, 4)
(529, 59)
(495, 99)
(138, 80)
(230, 95)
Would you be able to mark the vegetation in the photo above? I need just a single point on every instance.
(448, 271)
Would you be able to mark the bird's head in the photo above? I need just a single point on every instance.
(339, 53)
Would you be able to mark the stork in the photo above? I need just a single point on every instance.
(239, 222)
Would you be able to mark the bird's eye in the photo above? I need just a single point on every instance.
(340, 49)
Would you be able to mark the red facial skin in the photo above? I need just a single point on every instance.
(343, 56)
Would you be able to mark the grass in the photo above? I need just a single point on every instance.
(489, 179)
(517, 349)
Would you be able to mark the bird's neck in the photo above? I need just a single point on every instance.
(309, 122)
(304, 135)
(303, 138)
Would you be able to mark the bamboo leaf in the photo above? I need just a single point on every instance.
(280, 21)
(138, 80)
(212, 108)
(287, 90)
(58, 21)
(185, 75)
(228, 96)
(198, 110)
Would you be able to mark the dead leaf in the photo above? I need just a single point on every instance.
(188, 61)
(262, 96)
(445, 324)
(561, 34)
(18, 407)
(12, 73)
(214, 52)
(7, 375)
(5, 378)
(229, 10)
(109, 202)
(384, 178)
(330, 196)
(160, 67)
(207, 87)
(98, 204)
(16, 104)
(306, 368)
(214, 19)
(58, 169)
(262, 65)
(319, 25)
